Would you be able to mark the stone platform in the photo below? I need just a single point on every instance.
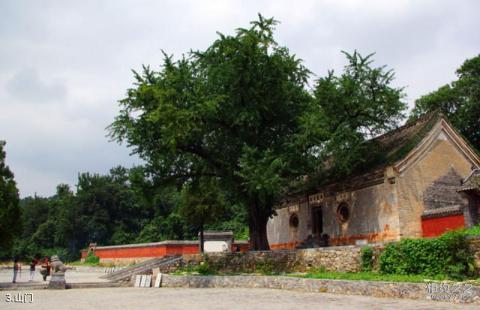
(460, 292)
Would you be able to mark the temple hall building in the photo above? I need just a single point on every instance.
(428, 183)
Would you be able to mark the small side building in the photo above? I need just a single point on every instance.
(418, 190)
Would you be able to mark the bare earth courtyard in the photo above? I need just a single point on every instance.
(181, 298)
(196, 298)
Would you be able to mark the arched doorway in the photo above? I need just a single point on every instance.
(317, 221)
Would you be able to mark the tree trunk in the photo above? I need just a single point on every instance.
(202, 249)
(258, 229)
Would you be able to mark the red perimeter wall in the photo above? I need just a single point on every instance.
(433, 227)
(152, 251)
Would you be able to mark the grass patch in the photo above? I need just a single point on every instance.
(203, 269)
(472, 231)
(374, 276)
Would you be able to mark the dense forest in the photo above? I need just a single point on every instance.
(121, 207)
(224, 134)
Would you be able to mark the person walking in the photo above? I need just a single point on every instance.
(32, 269)
(16, 269)
(45, 268)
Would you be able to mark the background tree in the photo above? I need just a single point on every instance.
(357, 105)
(10, 221)
(232, 112)
(121, 207)
(202, 204)
(459, 101)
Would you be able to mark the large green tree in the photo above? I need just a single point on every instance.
(240, 113)
(459, 101)
(10, 221)
(231, 112)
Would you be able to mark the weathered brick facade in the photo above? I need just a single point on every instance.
(391, 201)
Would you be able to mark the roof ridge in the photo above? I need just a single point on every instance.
(422, 119)
(473, 173)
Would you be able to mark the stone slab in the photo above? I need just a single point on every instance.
(158, 280)
(138, 279)
(148, 281)
(143, 280)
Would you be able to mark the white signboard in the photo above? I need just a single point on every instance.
(215, 246)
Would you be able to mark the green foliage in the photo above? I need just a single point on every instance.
(358, 104)
(459, 101)
(316, 270)
(367, 259)
(202, 203)
(230, 113)
(121, 207)
(448, 254)
(225, 133)
(92, 259)
(10, 221)
(474, 230)
(204, 269)
(62, 253)
(369, 276)
(239, 113)
(266, 266)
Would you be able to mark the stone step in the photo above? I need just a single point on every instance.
(127, 273)
(96, 285)
(143, 263)
(128, 269)
(144, 269)
(23, 286)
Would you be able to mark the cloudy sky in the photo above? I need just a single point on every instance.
(64, 64)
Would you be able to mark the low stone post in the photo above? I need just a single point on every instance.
(57, 281)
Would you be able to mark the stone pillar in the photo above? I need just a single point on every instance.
(57, 281)
(471, 211)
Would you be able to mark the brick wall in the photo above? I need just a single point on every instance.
(134, 253)
(373, 217)
(340, 258)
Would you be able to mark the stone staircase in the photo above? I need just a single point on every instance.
(313, 242)
(141, 268)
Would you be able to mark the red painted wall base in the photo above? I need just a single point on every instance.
(433, 227)
(160, 250)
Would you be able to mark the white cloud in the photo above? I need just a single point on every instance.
(27, 86)
(75, 59)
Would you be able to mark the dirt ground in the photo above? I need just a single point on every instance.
(70, 276)
(186, 298)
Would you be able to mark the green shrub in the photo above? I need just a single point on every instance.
(204, 268)
(367, 259)
(474, 230)
(448, 254)
(267, 266)
(92, 259)
(317, 270)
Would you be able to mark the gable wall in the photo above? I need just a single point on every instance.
(415, 183)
